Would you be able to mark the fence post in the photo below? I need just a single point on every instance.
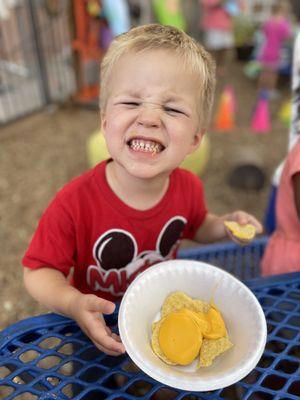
(43, 76)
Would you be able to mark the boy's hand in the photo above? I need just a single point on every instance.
(87, 310)
(242, 218)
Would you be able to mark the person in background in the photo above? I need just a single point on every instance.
(283, 250)
(282, 253)
(217, 26)
(132, 210)
(276, 30)
(294, 134)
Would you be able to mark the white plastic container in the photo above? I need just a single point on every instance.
(242, 313)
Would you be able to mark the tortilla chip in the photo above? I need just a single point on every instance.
(178, 300)
(243, 232)
(210, 349)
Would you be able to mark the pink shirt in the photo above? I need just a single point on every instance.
(283, 250)
(214, 16)
(276, 31)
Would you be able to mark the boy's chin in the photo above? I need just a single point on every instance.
(147, 172)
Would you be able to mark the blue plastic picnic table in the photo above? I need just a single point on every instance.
(48, 357)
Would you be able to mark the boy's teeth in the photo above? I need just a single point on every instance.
(147, 146)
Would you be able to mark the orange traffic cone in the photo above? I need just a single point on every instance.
(224, 121)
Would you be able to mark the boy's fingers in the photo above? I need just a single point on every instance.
(106, 351)
(242, 219)
(116, 337)
(104, 306)
(108, 307)
(102, 336)
(108, 330)
(259, 228)
(109, 344)
(112, 334)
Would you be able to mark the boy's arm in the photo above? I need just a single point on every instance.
(50, 287)
(213, 228)
(296, 187)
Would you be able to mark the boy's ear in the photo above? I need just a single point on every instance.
(197, 140)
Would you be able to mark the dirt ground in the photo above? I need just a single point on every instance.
(38, 154)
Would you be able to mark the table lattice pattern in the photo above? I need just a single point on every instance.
(48, 357)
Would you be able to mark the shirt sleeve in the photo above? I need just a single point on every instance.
(53, 243)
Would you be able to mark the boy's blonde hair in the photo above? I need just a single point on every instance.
(156, 37)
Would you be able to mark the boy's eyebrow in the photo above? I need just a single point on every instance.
(165, 99)
(172, 98)
(130, 93)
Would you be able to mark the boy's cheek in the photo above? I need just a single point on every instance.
(108, 124)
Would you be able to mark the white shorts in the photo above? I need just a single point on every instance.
(218, 40)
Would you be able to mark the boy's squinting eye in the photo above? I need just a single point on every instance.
(173, 110)
(169, 110)
(130, 103)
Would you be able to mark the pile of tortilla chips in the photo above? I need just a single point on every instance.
(210, 348)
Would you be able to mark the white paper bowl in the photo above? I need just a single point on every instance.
(243, 315)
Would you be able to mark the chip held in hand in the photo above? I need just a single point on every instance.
(242, 232)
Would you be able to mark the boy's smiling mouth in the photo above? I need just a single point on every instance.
(145, 145)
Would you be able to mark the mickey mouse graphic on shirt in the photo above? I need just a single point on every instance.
(118, 259)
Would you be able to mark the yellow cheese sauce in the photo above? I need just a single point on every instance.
(181, 332)
(195, 329)
(180, 337)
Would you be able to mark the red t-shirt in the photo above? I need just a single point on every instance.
(107, 242)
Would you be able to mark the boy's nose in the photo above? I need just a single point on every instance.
(149, 117)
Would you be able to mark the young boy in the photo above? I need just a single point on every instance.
(131, 211)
